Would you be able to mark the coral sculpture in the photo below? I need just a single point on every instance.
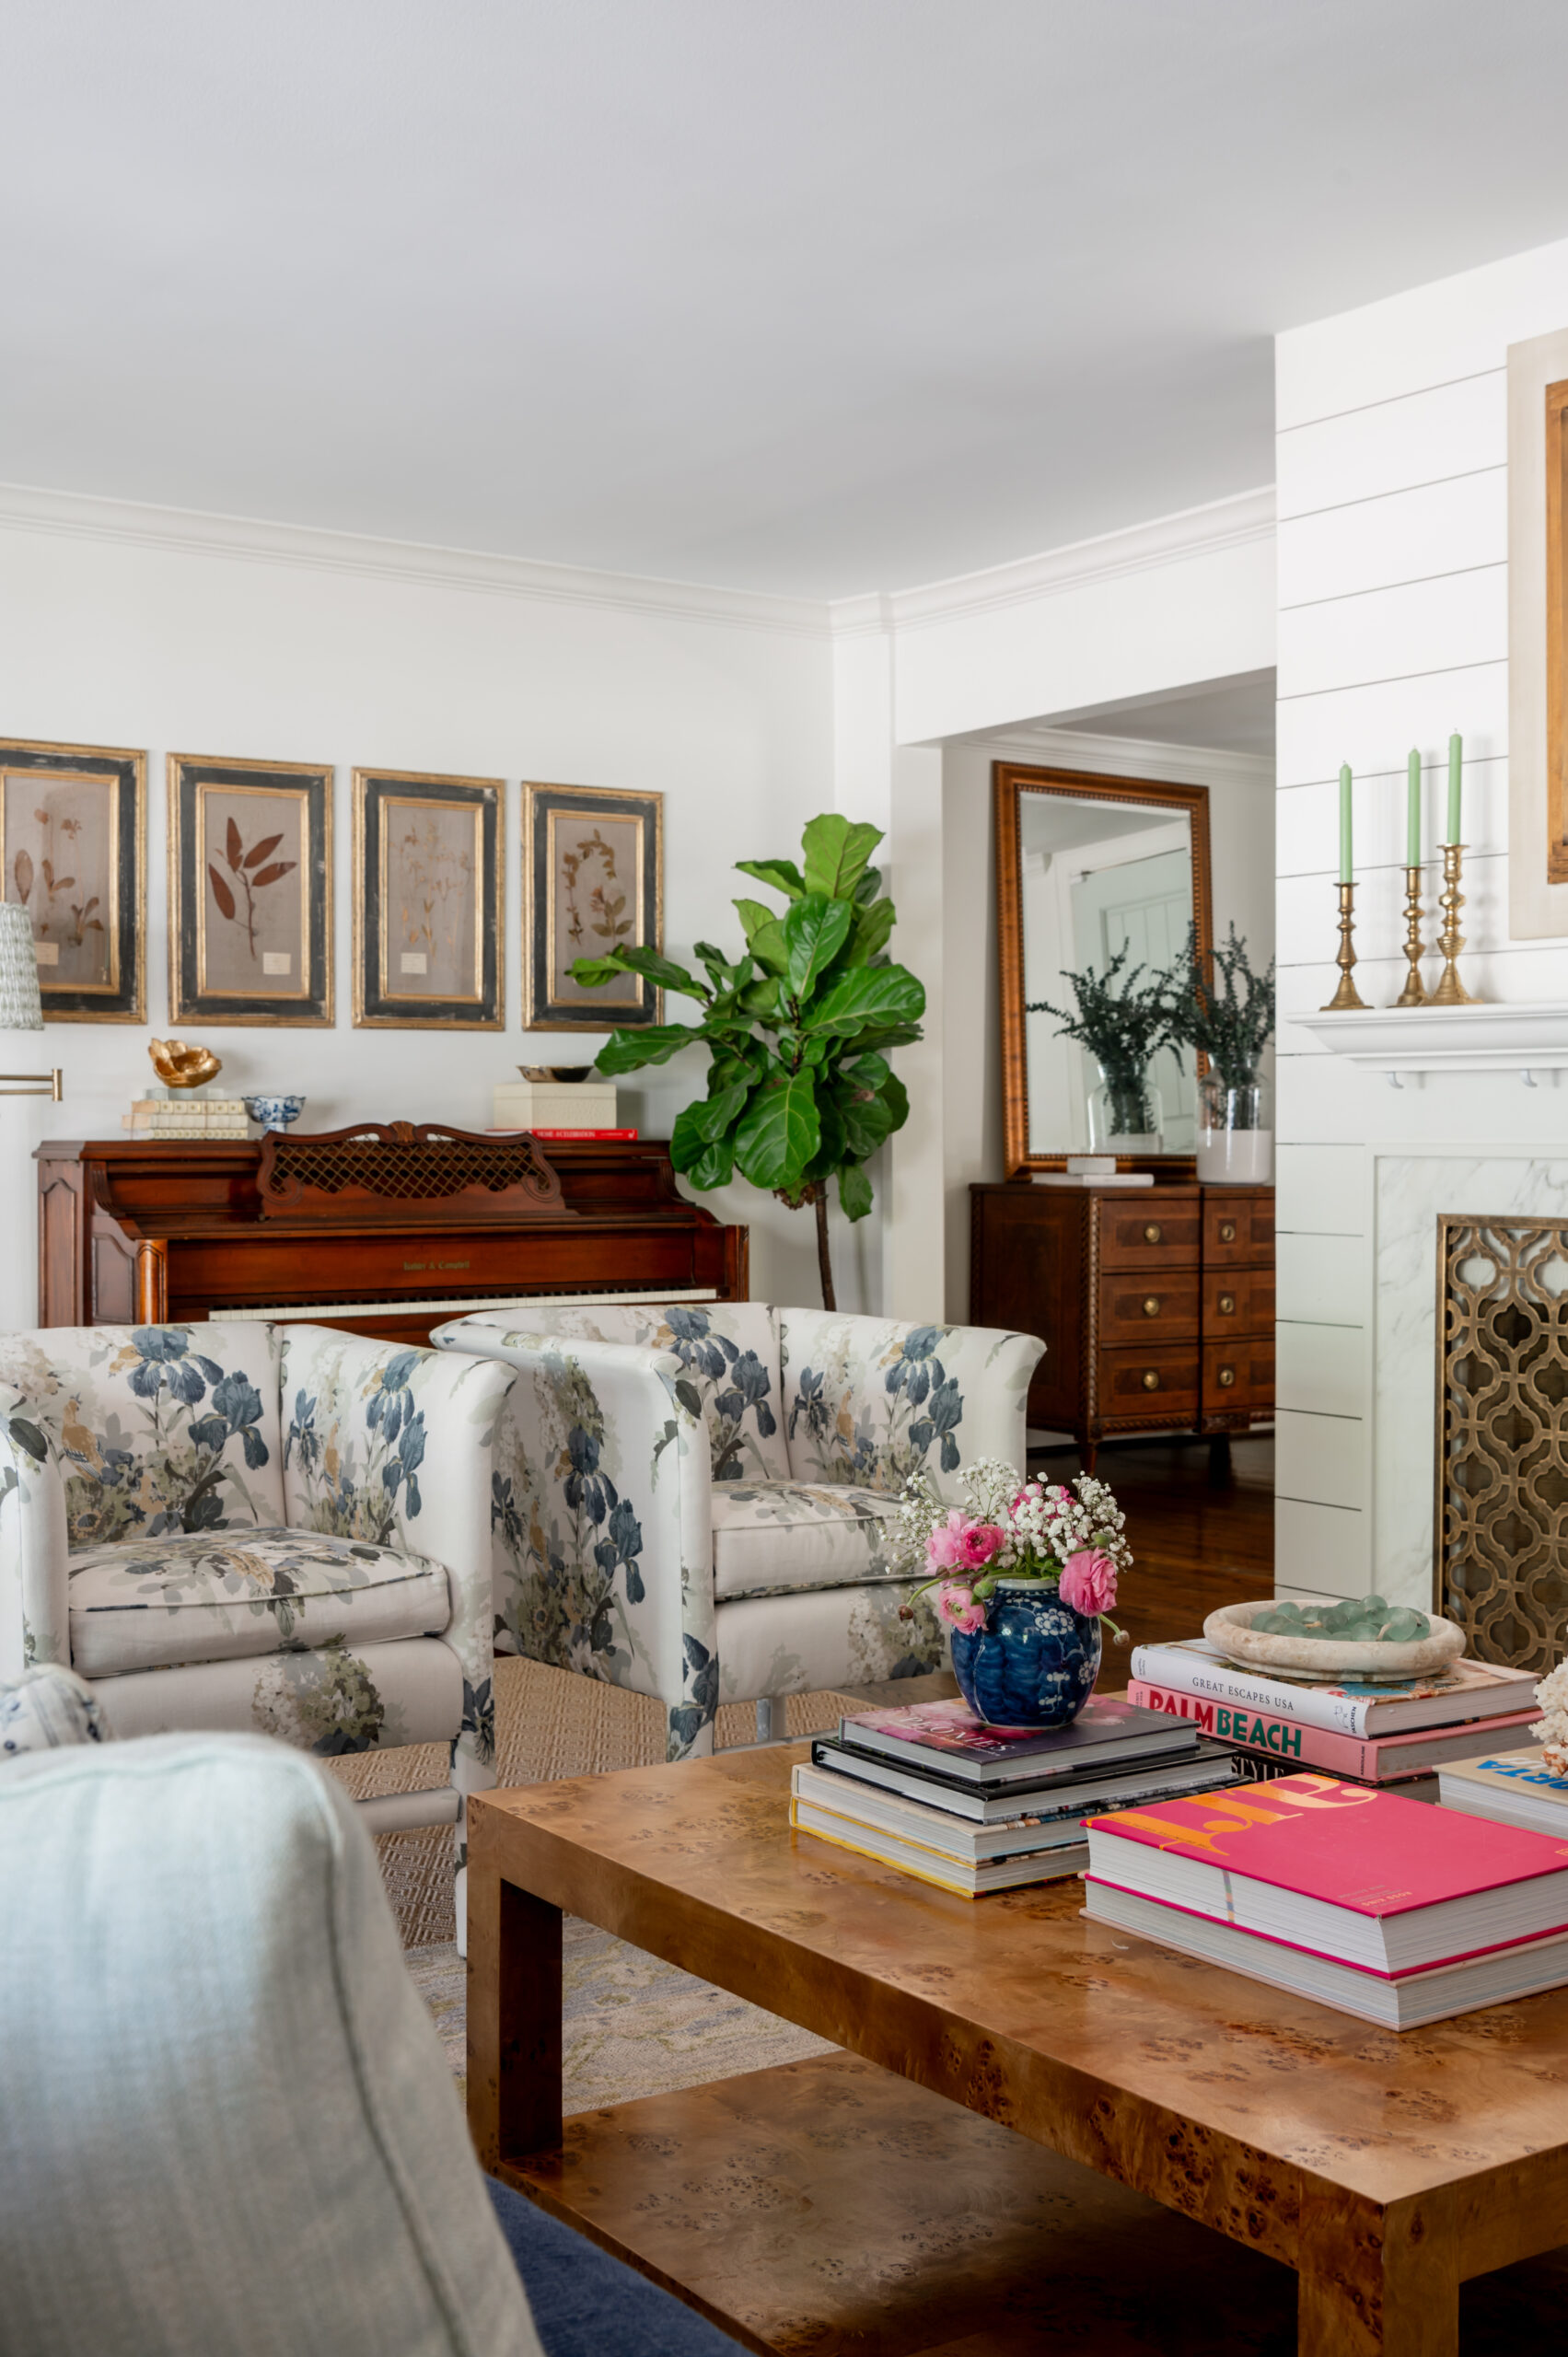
(1553, 1732)
(183, 1067)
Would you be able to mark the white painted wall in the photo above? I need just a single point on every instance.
(1393, 630)
(140, 628)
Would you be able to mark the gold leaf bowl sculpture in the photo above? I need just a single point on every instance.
(183, 1067)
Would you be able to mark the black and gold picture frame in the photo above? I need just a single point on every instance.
(593, 881)
(426, 901)
(73, 852)
(249, 891)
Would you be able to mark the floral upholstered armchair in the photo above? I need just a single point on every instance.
(275, 1528)
(696, 1502)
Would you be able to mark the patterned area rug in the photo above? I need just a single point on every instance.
(634, 2025)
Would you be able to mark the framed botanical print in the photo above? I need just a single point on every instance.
(593, 881)
(426, 901)
(249, 891)
(73, 852)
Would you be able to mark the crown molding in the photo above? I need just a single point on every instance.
(192, 532)
(1232, 523)
(1078, 749)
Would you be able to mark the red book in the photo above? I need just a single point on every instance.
(1373, 1761)
(584, 1134)
(1343, 1870)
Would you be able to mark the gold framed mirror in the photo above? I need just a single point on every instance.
(1085, 865)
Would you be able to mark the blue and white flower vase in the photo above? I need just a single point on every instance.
(274, 1112)
(1035, 1662)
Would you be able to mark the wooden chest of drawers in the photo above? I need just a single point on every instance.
(1156, 1305)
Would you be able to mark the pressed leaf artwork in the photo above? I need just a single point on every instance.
(432, 857)
(255, 919)
(597, 907)
(59, 866)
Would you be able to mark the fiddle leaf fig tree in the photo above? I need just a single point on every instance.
(798, 1027)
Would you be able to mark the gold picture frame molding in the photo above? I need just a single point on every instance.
(364, 778)
(181, 1010)
(648, 926)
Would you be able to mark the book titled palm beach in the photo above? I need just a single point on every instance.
(1468, 1689)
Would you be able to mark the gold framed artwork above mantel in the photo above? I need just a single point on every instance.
(73, 852)
(427, 947)
(249, 891)
(1537, 745)
(593, 881)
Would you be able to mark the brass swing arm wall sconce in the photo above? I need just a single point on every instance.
(37, 1084)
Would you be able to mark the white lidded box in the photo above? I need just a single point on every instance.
(553, 1105)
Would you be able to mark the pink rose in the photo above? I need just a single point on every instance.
(944, 1549)
(979, 1543)
(1088, 1581)
(959, 1608)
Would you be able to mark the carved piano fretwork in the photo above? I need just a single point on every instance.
(382, 1230)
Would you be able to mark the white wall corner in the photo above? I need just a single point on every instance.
(863, 725)
(913, 1228)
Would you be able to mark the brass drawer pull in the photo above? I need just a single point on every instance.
(1152, 1233)
(1227, 1377)
(1227, 1305)
(1228, 1231)
(1151, 1379)
(1152, 1305)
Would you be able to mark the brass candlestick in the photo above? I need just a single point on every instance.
(1347, 995)
(1450, 990)
(1413, 993)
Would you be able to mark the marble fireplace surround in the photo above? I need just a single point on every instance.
(1409, 1186)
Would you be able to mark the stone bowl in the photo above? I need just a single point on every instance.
(1328, 1657)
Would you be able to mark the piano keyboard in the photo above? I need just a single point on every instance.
(281, 1314)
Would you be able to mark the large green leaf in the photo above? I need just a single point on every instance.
(832, 1142)
(782, 874)
(630, 1050)
(657, 968)
(868, 937)
(715, 1168)
(869, 1118)
(758, 1001)
(719, 1110)
(592, 973)
(869, 995)
(837, 851)
(854, 1191)
(869, 885)
(878, 1036)
(721, 972)
(814, 930)
(780, 1132)
(765, 935)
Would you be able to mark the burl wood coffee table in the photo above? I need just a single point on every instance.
(904, 2195)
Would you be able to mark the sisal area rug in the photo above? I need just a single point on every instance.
(634, 2025)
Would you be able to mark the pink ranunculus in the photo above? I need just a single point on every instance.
(959, 1607)
(980, 1541)
(1088, 1581)
(944, 1549)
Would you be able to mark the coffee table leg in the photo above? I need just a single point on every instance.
(1376, 2283)
(514, 2018)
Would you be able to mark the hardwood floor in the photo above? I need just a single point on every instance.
(1194, 1547)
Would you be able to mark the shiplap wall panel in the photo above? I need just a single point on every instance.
(1427, 437)
(1324, 1280)
(1322, 1192)
(1320, 1458)
(1320, 1370)
(1438, 528)
(1406, 632)
(1374, 726)
(1321, 1550)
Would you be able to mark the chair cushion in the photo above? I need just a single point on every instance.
(155, 1428)
(867, 1399)
(150, 1603)
(783, 1538)
(727, 1370)
(45, 1708)
(227, 2126)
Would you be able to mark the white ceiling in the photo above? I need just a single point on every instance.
(808, 295)
(1235, 714)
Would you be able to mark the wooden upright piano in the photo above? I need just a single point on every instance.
(382, 1229)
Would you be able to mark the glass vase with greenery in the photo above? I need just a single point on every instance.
(1123, 1020)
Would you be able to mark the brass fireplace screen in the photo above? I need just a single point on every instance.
(1500, 1531)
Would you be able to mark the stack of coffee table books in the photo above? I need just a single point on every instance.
(1374, 1904)
(931, 1790)
(1389, 1734)
(1515, 1787)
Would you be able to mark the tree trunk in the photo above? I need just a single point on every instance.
(824, 1258)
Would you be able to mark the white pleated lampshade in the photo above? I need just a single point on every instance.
(22, 1009)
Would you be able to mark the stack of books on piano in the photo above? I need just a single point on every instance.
(1398, 1913)
(1387, 1734)
(932, 1791)
(181, 1116)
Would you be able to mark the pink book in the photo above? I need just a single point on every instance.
(1375, 1760)
(1388, 1884)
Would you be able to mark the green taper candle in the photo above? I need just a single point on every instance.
(1344, 823)
(1456, 761)
(1413, 812)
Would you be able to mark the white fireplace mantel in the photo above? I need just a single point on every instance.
(1396, 1040)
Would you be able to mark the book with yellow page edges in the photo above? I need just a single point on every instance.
(1381, 1907)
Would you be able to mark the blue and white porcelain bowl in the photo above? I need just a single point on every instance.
(274, 1112)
